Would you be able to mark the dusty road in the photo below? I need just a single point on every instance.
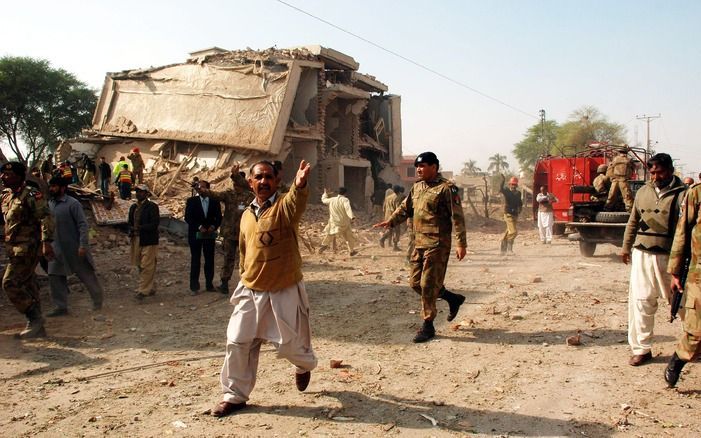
(502, 368)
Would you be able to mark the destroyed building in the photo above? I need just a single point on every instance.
(224, 106)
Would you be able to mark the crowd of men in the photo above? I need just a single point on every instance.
(260, 223)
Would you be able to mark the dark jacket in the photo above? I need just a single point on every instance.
(148, 223)
(195, 218)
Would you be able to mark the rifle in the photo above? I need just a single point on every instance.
(679, 293)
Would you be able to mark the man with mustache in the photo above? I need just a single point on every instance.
(270, 301)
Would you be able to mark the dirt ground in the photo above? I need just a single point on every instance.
(502, 368)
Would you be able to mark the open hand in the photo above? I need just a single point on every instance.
(302, 174)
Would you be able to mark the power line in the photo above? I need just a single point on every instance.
(409, 60)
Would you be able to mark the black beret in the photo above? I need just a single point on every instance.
(426, 157)
(16, 167)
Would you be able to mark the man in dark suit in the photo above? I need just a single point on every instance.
(203, 216)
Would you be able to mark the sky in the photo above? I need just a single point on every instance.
(626, 58)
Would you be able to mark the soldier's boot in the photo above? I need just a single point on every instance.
(35, 324)
(425, 333)
(454, 302)
(396, 247)
(224, 286)
(673, 370)
(510, 247)
(503, 248)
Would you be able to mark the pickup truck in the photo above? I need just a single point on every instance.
(591, 225)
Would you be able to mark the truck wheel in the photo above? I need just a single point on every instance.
(587, 248)
(612, 217)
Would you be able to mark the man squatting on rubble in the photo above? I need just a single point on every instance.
(340, 221)
(646, 242)
(687, 243)
(270, 301)
(512, 208)
(29, 228)
(71, 249)
(235, 201)
(144, 218)
(435, 206)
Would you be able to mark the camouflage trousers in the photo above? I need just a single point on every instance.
(689, 348)
(428, 266)
(20, 281)
(511, 231)
(231, 249)
(619, 187)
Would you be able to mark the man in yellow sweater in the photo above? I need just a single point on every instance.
(270, 301)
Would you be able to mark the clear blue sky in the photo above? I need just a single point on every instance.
(624, 57)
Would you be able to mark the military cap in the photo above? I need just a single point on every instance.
(58, 181)
(602, 168)
(142, 188)
(15, 166)
(426, 157)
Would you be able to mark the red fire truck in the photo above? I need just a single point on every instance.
(562, 175)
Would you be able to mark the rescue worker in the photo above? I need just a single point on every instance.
(621, 169)
(601, 183)
(687, 242)
(137, 165)
(437, 214)
(235, 201)
(124, 181)
(512, 208)
(66, 172)
(29, 229)
(119, 166)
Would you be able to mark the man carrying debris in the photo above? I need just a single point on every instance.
(270, 302)
(646, 242)
(144, 218)
(512, 208)
(687, 244)
(137, 165)
(235, 201)
(29, 229)
(71, 250)
(435, 206)
(124, 181)
(340, 221)
(621, 169)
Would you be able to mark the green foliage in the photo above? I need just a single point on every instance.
(41, 104)
(535, 144)
(470, 168)
(497, 164)
(584, 126)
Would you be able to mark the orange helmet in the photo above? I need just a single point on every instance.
(135, 150)
(513, 181)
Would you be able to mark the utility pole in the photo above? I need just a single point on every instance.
(542, 131)
(647, 120)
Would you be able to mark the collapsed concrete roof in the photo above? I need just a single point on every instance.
(241, 98)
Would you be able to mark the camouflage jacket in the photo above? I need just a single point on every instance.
(235, 202)
(621, 167)
(688, 238)
(27, 218)
(436, 210)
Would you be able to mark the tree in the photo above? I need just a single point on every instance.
(539, 140)
(41, 105)
(585, 126)
(497, 164)
(469, 167)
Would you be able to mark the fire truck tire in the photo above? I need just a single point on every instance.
(612, 217)
(587, 248)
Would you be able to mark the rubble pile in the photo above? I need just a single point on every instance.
(249, 56)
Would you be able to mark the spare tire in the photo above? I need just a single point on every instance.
(612, 217)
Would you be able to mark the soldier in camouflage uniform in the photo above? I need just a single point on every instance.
(28, 223)
(435, 206)
(235, 202)
(621, 169)
(687, 241)
(601, 183)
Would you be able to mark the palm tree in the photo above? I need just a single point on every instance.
(497, 164)
(469, 167)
